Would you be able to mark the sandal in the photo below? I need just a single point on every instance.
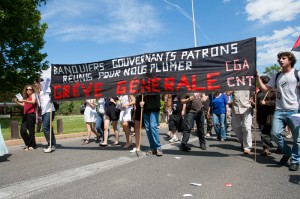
(98, 138)
(127, 146)
(86, 141)
(103, 145)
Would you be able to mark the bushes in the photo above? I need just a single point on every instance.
(69, 108)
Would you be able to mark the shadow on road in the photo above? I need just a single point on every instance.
(5, 157)
(295, 179)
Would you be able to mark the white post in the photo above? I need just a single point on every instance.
(195, 40)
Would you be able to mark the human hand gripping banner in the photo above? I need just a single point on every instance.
(220, 67)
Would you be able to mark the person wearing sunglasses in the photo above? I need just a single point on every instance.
(29, 117)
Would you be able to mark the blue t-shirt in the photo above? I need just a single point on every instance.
(219, 104)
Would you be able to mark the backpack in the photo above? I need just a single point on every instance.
(295, 73)
(56, 106)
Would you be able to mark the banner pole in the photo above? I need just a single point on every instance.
(255, 125)
(50, 125)
(140, 131)
(51, 103)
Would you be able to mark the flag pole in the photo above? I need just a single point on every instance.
(255, 125)
(140, 131)
(195, 39)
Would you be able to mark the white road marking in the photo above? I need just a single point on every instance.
(26, 188)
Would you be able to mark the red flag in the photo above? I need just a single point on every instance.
(296, 46)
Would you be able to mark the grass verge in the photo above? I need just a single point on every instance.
(71, 124)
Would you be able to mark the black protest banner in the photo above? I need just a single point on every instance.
(227, 66)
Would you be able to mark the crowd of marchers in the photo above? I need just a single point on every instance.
(276, 107)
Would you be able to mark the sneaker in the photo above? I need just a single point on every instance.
(203, 147)
(159, 152)
(284, 160)
(134, 150)
(49, 150)
(294, 167)
(207, 135)
(185, 148)
(266, 152)
(174, 139)
(222, 140)
(151, 152)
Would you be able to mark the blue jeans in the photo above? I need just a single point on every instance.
(151, 123)
(280, 120)
(219, 124)
(99, 124)
(46, 128)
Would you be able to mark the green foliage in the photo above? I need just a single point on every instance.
(162, 105)
(272, 70)
(21, 40)
(69, 107)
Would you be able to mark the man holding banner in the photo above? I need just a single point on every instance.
(151, 107)
(193, 112)
(44, 95)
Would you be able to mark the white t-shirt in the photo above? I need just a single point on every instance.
(45, 97)
(125, 99)
(288, 91)
(45, 102)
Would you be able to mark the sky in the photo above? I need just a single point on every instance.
(97, 30)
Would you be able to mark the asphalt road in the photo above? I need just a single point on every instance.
(75, 170)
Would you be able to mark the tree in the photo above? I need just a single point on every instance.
(272, 70)
(21, 40)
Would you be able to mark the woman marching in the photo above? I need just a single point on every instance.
(29, 116)
(126, 105)
(90, 116)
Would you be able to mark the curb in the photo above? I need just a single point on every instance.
(58, 137)
(42, 139)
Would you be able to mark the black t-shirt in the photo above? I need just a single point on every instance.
(176, 105)
(193, 106)
(206, 104)
(152, 103)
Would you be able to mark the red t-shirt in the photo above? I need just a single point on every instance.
(29, 108)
